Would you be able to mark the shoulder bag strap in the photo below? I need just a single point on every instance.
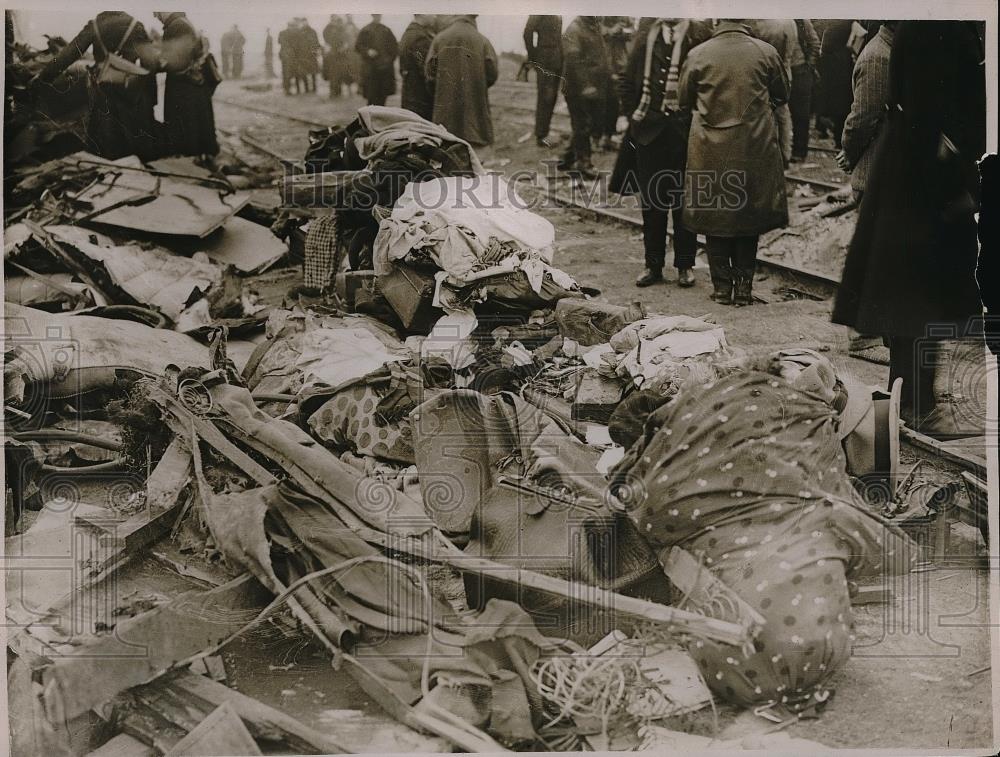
(128, 33)
(97, 37)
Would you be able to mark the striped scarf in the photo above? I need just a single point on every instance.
(678, 32)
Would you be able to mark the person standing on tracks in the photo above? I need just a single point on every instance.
(287, 47)
(413, 48)
(120, 117)
(377, 46)
(862, 131)
(461, 67)
(836, 66)
(310, 51)
(910, 269)
(653, 154)
(805, 56)
(239, 43)
(226, 53)
(543, 41)
(192, 77)
(617, 32)
(783, 35)
(586, 79)
(335, 60)
(269, 55)
(735, 183)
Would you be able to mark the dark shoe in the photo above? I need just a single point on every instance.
(685, 277)
(543, 142)
(723, 292)
(742, 291)
(796, 159)
(649, 277)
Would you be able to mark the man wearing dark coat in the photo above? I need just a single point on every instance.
(804, 76)
(617, 32)
(586, 80)
(188, 116)
(543, 41)
(120, 117)
(461, 67)
(836, 66)
(336, 64)
(654, 149)
(910, 268)
(377, 46)
(864, 127)
(239, 43)
(309, 51)
(287, 54)
(413, 48)
(735, 180)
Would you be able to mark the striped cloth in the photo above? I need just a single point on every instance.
(870, 106)
(674, 35)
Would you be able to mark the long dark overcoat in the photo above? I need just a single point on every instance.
(911, 263)
(462, 65)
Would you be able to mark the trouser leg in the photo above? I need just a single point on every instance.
(745, 255)
(580, 117)
(654, 237)
(914, 361)
(799, 104)
(719, 251)
(685, 241)
(545, 103)
(611, 109)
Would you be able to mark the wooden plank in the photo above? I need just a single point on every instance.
(872, 595)
(145, 646)
(262, 720)
(221, 733)
(168, 479)
(123, 745)
(946, 450)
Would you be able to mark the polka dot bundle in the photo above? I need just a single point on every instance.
(749, 476)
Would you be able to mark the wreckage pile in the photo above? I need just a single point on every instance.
(381, 463)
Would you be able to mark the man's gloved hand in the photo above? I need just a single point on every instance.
(843, 162)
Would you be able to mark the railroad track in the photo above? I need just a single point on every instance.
(822, 284)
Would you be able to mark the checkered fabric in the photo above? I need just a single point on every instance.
(321, 260)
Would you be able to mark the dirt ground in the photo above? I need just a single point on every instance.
(915, 679)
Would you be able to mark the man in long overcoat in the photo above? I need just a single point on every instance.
(654, 149)
(543, 41)
(735, 182)
(309, 52)
(377, 46)
(287, 54)
(413, 48)
(461, 67)
(586, 81)
(911, 265)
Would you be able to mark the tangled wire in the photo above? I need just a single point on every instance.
(587, 688)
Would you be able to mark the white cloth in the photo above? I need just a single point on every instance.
(391, 127)
(664, 350)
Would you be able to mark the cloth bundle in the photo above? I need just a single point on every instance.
(473, 230)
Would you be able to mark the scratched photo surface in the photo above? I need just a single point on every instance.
(481, 382)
